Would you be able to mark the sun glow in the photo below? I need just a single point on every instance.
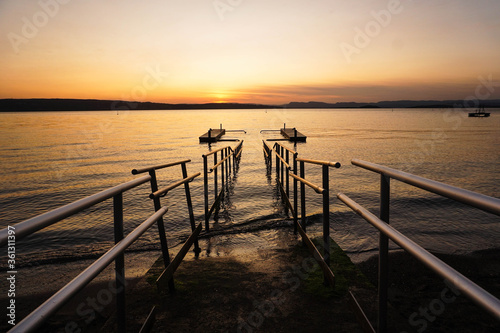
(186, 52)
(219, 97)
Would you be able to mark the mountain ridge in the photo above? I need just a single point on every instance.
(69, 104)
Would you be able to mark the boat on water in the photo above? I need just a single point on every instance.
(479, 113)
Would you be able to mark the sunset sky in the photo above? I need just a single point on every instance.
(256, 51)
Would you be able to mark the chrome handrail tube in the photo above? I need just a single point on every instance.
(157, 167)
(173, 185)
(220, 162)
(316, 188)
(242, 130)
(41, 221)
(215, 151)
(225, 163)
(472, 290)
(35, 319)
(282, 179)
(328, 163)
(474, 199)
(284, 147)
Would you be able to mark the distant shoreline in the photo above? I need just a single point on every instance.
(56, 104)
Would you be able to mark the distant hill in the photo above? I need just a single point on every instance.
(101, 105)
(97, 105)
(494, 103)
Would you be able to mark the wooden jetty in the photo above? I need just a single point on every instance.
(293, 135)
(213, 135)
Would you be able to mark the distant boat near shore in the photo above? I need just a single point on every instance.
(479, 113)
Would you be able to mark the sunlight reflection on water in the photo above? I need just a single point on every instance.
(50, 159)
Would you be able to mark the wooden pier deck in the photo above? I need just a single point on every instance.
(215, 135)
(293, 135)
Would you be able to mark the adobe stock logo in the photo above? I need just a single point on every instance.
(224, 6)
(30, 28)
(373, 28)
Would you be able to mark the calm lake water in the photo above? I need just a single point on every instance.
(53, 158)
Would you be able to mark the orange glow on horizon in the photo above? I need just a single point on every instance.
(182, 52)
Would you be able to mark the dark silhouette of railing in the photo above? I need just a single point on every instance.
(36, 318)
(283, 181)
(156, 194)
(116, 253)
(224, 162)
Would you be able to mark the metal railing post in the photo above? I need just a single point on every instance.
(227, 164)
(229, 160)
(287, 180)
(277, 162)
(282, 166)
(222, 155)
(303, 196)
(205, 190)
(295, 198)
(119, 264)
(215, 178)
(326, 214)
(190, 207)
(234, 162)
(161, 227)
(383, 264)
(270, 157)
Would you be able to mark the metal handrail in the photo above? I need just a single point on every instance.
(39, 222)
(167, 165)
(328, 163)
(174, 185)
(225, 161)
(477, 200)
(220, 162)
(215, 151)
(284, 147)
(238, 149)
(237, 131)
(281, 151)
(35, 319)
(474, 199)
(316, 188)
(282, 159)
(168, 272)
(472, 290)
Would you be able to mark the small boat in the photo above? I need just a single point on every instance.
(479, 113)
